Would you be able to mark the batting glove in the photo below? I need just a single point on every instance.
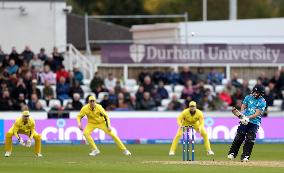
(245, 120)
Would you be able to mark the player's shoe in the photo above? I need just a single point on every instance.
(245, 159)
(231, 156)
(171, 153)
(126, 152)
(7, 154)
(210, 153)
(94, 152)
(38, 154)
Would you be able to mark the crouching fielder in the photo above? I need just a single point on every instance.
(97, 118)
(23, 125)
(191, 117)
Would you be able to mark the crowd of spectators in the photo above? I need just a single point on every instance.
(22, 74)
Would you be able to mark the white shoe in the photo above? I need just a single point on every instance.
(126, 152)
(210, 153)
(245, 159)
(39, 155)
(171, 153)
(8, 154)
(94, 152)
(231, 156)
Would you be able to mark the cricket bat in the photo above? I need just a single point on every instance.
(237, 113)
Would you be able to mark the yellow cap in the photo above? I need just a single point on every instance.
(92, 98)
(26, 113)
(192, 103)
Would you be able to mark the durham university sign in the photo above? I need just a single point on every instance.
(195, 53)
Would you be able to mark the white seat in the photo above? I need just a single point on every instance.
(43, 103)
(178, 88)
(252, 82)
(86, 88)
(169, 88)
(54, 90)
(101, 95)
(86, 82)
(162, 108)
(135, 88)
(210, 87)
(224, 81)
(273, 108)
(66, 101)
(53, 102)
(40, 87)
(240, 80)
(175, 93)
(277, 102)
(165, 102)
(219, 88)
(130, 82)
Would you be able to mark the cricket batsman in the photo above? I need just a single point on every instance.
(252, 108)
(23, 125)
(97, 118)
(191, 117)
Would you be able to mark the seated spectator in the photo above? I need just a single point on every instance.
(110, 82)
(57, 58)
(264, 80)
(105, 102)
(147, 103)
(269, 96)
(126, 94)
(139, 94)
(61, 72)
(36, 63)
(12, 68)
(57, 111)
(78, 75)
(121, 104)
(51, 63)
(117, 87)
(32, 102)
(172, 77)
(112, 99)
(28, 79)
(186, 75)
(201, 76)
(42, 55)
(277, 83)
(237, 97)
(20, 88)
(148, 85)
(20, 102)
(214, 77)
(175, 104)
(209, 102)
(235, 81)
(230, 88)
(187, 90)
(34, 90)
(27, 54)
(99, 89)
(245, 88)
(159, 76)
(47, 75)
(132, 103)
(24, 68)
(68, 107)
(38, 106)
(96, 82)
(226, 98)
(161, 91)
(76, 104)
(14, 54)
(142, 75)
(76, 88)
(48, 92)
(62, 89)
(6, 102)
(2, 54)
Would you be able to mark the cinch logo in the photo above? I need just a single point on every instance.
(61, 132)
(137, 52)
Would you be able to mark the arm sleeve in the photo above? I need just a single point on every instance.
(80, 115)
(180, 118)
(32, 130)
(261, 106)
(201, 119)
(16, 129)
(105, 116)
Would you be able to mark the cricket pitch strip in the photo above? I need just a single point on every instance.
(279, 164)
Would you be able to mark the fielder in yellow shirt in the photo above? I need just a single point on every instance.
(97, 118)
(23, 125)
(191, 117)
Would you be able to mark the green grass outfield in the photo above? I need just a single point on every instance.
(145, 158)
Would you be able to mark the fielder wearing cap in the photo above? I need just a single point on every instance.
(191, 117)
(97, 118)
(23, 125)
